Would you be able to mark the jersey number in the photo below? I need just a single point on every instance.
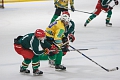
(52, 24)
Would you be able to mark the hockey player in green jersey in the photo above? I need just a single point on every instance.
(61, 5)
(69, 33)
(102, 5)
(29, 46)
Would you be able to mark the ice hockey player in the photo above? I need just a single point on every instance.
(61, 5)
(69, 33)
(54, 34)
(29, 47)
(102, 5)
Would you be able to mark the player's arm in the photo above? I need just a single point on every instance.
(104, 3)
(35, 47)
(71, 29)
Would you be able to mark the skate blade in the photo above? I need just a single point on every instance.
(23, 73)
(37, 74)
(60, 69)
(108, 25)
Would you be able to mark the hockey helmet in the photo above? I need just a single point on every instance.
(66, 12)
(65, 18)
(39, 33)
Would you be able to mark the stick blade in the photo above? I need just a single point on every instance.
(114, 69)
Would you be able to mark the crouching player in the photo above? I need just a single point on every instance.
(29, 46)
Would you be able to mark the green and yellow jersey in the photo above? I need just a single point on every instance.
(56, 30)
(63, 3)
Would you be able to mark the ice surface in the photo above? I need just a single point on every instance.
(25, 17)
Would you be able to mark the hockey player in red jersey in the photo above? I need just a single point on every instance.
(102, 5)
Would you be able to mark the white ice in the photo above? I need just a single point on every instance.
(25, 17)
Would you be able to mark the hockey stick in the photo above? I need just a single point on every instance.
(108, 70)
(82, 11)
(61, 45)
(83, 49)
(74, 50)
(85, 11)
(78, 10)
(113, 5)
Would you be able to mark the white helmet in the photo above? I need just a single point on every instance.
(65, 18)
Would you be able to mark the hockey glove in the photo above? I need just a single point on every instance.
(109, 7)
(46, 51)
(64, 39)
(65, 47)
(71, 37)
(72, 8)
(116, 2)
(53, 47)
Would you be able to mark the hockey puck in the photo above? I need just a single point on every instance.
(117, 68)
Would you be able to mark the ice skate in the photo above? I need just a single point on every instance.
(52, 63)
(60, 67)
(85, 24)
(37, 72)
(109, 24)
(22, 70)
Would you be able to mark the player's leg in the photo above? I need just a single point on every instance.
(36, 65)
(27, 55)
(56, 14)
(24, 66)
(89, 19)
(109, 13)
(52, 60)
(58, 61)
(96, 12)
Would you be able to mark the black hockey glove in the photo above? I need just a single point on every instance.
(65, 47)
(72, 8)
(110, 7)
(116, 2)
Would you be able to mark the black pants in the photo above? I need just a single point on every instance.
(59, 10)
